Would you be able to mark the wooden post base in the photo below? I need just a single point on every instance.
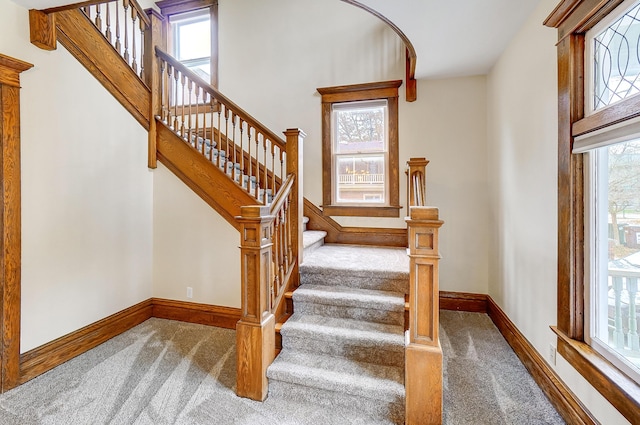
(423, 383)
(255, 343)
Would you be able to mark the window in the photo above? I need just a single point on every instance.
(193, 35)
(360, 149)
(598, 174)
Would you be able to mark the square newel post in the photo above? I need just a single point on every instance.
(423, 354)
(10, 214)
(295, 137)
(255, 332)
(153, 36)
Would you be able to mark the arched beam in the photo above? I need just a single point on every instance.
(412, 57)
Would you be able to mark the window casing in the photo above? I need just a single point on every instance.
(360, 149)
(192, 31)
(579, 118)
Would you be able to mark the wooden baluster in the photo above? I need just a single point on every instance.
(134, 17)
(226, 137)
(220, 106)
(142, 30)
(242, 170)
(618, 333)
(265, 179)
(190, 137)
(287, 235)
(233, 147)
(108, 30)
(275, 236)
(98, 19)
(273, 170)
(283, 176)
(257, 188)
(87, 11)
(632, 288)
(175, 100)
(182, 118)
(164, 116)
(249, 156)
(126, 31)
(212, 134)
(118, 45)
(202, 147)
(281, 247)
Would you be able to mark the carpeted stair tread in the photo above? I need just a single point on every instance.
(336, 374)
(312, 240)
(354, 266)
(338, 327)
(345, 296)
(350, 303)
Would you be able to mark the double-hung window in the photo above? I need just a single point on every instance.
(360, 149)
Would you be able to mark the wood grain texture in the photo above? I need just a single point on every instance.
(39, 360)
(80, 37)
(202, 314)
(463, 301)
(204, 178)
(621, 391)
(567, 404)
(10, 236)
(154, 36)
(336, 233)
(255, 345)
(42, 30)
(423, 384)
(10, 69)
(614, 114)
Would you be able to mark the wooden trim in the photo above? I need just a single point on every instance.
(172, 7)
(463, 301)
(72, 6)
(203, 314)
(80, 37)
(44, 358)
(567, 404)
(621, 391)
(412, 57)
(360, 211)
(10, 216)
(42, 30)
(204, 178)
(336, 233)
(387, 90)
(560, 13)
(614, 114)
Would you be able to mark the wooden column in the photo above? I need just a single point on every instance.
(153, 36)
(10, 233)
(255, 332)
(423, 361)
(295, 137)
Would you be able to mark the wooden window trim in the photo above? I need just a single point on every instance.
(174, 7)
(387, 90)
(573, 18)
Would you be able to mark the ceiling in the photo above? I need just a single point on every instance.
(452, 38)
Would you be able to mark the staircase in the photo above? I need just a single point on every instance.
(345, 342)
(344, 345)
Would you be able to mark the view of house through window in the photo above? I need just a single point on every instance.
(615, 302)
(360, 152)
(191, 40)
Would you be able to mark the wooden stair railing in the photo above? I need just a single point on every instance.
(108, 38)
(271, 246)
(423, 354)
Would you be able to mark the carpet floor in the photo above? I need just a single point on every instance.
(167, 372)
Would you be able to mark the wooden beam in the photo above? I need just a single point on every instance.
(42, 30)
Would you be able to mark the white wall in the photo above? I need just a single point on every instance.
(522, 169)
(86, 193)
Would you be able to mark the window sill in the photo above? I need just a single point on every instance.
(620, 390)
(360, 211)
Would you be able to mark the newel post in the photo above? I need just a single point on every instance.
(295, 137)
(153, 36)
(255, 332)
(423, 354)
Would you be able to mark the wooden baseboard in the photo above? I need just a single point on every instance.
(563, 399)
(203, 314)
(463, 301)
(44, 358)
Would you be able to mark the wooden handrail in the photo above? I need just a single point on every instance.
(215, 94)
(282, 194)
(80, 5)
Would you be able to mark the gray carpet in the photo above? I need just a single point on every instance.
(166, 372)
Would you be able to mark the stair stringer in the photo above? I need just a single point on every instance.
(80, 37)
(203, 177)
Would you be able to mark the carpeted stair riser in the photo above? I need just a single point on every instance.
(392, 410)
(369, 315)
(355, 280)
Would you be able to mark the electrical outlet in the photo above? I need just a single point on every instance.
(189, 292)
(552, 354)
